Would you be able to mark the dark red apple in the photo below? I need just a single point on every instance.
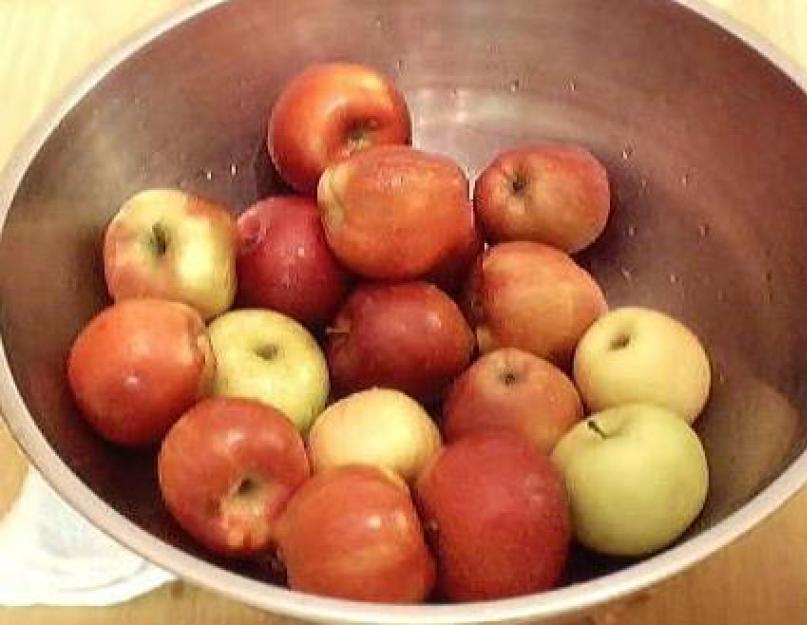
(552, 194)
(497, 515)
(137, 366)
(513, 389)
(534, 297)
(227, 469)
(410, 336)
(328, 112)
(285, 264)
(394, 213)
(353, 532)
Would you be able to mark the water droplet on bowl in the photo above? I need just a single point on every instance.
(627, 152)
(673, 278)
(631, 230)
(685, 180)
(572, 86)
(721, 295)
(643, 184)
(399, 65)
(627, 275)
(704, 230)
(208, 174)
(515, 85)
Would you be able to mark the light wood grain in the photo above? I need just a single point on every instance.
(46, 44)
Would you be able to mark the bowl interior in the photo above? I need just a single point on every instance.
(703, 139)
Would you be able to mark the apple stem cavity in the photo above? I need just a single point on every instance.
(267, 352)
(518, 183)
(508, 378)
(159, 239)
(620, 341)
(595, 427)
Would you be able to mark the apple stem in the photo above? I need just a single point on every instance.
(594, 426)
(330, 331)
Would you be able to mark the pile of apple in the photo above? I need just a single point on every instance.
(308, 369)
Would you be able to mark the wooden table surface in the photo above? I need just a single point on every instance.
(762, 578)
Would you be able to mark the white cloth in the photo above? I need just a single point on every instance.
(50, 555)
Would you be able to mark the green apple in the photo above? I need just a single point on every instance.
(641, 355)
(169, 244)
(268, 357)
(382, 427)
(636, 476)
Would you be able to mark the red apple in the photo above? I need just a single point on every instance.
(451, 273)
(328, 112)
(534, 297)
(285, 264)
(410, 336)
(137, 366)
(168, 244)
(496, 512)
(552, 194)
(352, 532)
(227, 469)
(513, 389)
(393, 212)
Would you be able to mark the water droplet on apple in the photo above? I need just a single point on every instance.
(627, 152)
(233, 170)
(208, 175)
(572, 86)
(643, 184)
(673, 278)
(631, 230)
(704, 230)
(721, 295)
(627, 275)
(685, 180)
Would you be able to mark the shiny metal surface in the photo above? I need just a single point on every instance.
(702, 132)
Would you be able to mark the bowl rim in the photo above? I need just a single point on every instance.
(554, 603)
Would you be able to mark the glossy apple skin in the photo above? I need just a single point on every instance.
(227, 469)
(353, 532)
(496, 513)
(531, 296)
(328, 112)
(168, 244)
(410, 336)
(513, 389)
(394, 213)
(285, 264)
(552, 194)
(379, 426)
(451, 273)
(137, 366)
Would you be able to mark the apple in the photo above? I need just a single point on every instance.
(409, 336)
(451, 273)
(552, 194)
(227, 469)
(285, 264)
(381, 427)
(352, 532)
(510, 388)
(269, 357)
(496, 513)
(329, 112)
(534, 297)
(394, 213)
(637, 477)
(169, 244)
(635, 354)
(137, 366)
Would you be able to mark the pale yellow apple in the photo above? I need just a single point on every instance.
(636, 476)
(642, 355)
(382, 427)
(169, 244)
(268, 357)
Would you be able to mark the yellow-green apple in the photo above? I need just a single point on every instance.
(227, 469)
(353, 532)
(409, 336)
(552, 194)
(496, 513)
(285, 264)
(534, 297)
(169, 244)
(513, 389)
(328, 112)
(382, 427)
(394, 213)
(638, 354)
(137, 366)
(636, 476)
(271, 358)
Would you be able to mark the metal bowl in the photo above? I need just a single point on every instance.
(701, 126)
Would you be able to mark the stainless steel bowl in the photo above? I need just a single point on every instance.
(701, 126)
